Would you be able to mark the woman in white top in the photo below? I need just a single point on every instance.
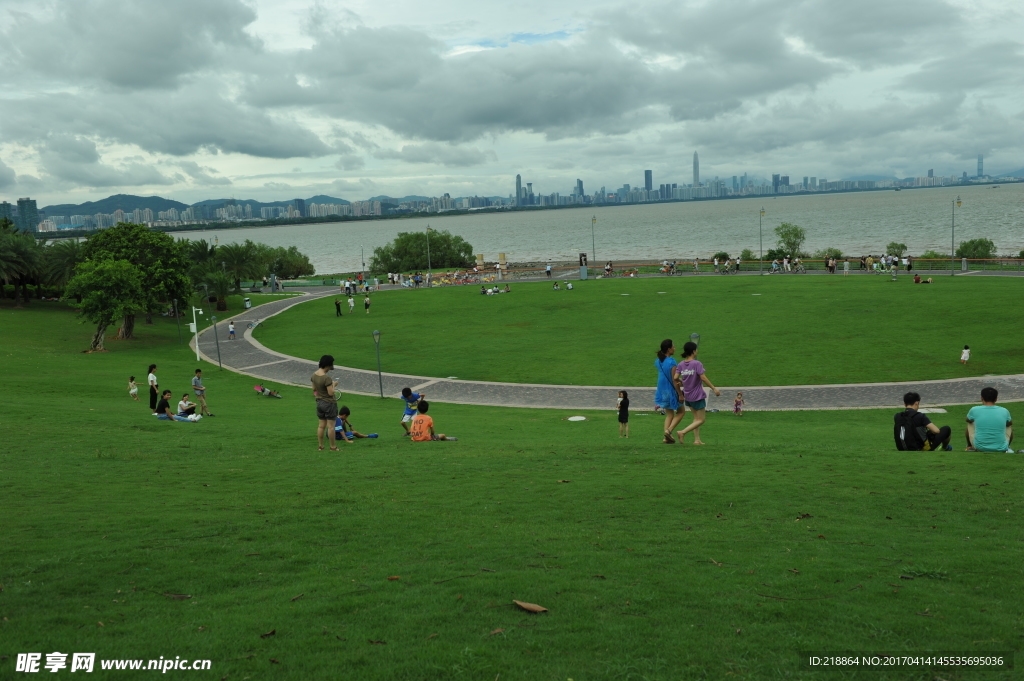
(153, 385)
(185, 407)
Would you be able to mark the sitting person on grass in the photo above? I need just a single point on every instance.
(186, 407)
(423, 426)
(914, 432)
(163, 409)
(343, 430)
(989, 428)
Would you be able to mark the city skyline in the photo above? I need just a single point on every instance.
(277, 98)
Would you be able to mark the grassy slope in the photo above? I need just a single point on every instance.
(656, 562)
(798, 330)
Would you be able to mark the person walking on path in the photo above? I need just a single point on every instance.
(691, 377)
(231, 331)
(337, 307)
(351, 304)
(548, 270)
(989, 428)
(666, 397)
(846, 267)
(326, 401)
(199, 390)
(965, 355)
(366, 303)
(154, 396)
(737, 404)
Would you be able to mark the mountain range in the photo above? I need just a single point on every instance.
(129, 202)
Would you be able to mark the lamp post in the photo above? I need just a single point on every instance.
(428, 256)
(760, 236)
(177, 319)
(216, 337)
(362, 260)
(380, 379)
(194, 328)
(956, 203)
(593, 239)
(695, 337)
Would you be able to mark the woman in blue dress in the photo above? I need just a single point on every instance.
(667, 395)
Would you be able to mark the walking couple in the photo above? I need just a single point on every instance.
(681, 385)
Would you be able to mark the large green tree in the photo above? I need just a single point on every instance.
(408, 252)
(109, 290)
(289, 263)
(980, 249)
(163, 262)
(790, 238)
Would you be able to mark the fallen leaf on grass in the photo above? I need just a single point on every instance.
(600, 577)
(273, 661)
(459, 597)
(201, 629)
(497, 631)
(432, 636)
(821, 536)
(376, 643)
(738, 631)
(298, 597)
(888, 518)
(715, 562)
(905, 577)
(251, 554)
(269, 633)
(99, 624)
(565, 481)
(805, 515)
(394, 578)
(530, 607)
(340, 638)
(178, 597)
(925, 613)
(795, 572)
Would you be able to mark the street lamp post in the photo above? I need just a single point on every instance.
(593, 239)
(216, 337)
(695, 337)
(760, 236)
(195, 328)
(177, 319)
(428, 256)
(956, 203)
(362, 260)
(380, 379)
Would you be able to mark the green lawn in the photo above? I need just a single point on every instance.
(789, 532)
(754, 330)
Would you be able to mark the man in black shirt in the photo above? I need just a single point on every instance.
(914, 432)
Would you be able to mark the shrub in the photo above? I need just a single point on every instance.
(721, 255)
(746, 255)
(895, 248)
(932, 255)
(826, 253)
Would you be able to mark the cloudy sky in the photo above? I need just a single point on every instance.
(274, 99)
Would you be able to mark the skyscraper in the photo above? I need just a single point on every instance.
(28, 215)
(519, 190)
(696, 170)
(300, 207)
(648, 180)
(579, 187)
(981, 165)
(775, 182)
(6, 211)
(931, 172)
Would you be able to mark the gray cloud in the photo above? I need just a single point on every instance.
(7, 176)
(76, 161)
(441, 154)
(202, 175)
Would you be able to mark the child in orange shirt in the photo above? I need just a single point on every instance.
(423, 426)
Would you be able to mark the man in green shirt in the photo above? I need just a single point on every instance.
(989, 428)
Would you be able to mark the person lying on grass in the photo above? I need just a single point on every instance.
(343, 430)
(423, 426)
(163, 409)
(989, 428)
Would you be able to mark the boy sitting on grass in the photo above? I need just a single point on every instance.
(423, 426)
(343, 429)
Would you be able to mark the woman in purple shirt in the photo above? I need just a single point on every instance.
(690, 375)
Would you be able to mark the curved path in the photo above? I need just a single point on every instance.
(247, 356)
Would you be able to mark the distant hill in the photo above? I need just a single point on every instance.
(125, 202)
(1013, 173)
(319, 198)
(383, 198)
(873, 178)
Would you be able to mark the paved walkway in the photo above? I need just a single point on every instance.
(247, 356)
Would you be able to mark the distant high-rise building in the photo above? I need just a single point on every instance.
(775, 181)
(6, 211)
(28, 215)
(529, 193)
(579, 187)
(981, 165)
(300, 207)
(962, 179)
(696, 170)
(931, 172)
(805, 182)
(784, 180)
(814, 183)
(648, 180)
(519, 190)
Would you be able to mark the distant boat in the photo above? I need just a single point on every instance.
(897, 189)
(995, 186)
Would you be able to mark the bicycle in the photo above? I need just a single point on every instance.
(252, 325)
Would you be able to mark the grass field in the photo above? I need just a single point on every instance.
(754, 330)
(789, 532)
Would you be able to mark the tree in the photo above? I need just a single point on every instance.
(22, 259)
(289, 263)
(896, 249)
(162, 260)
(826, 253)
(109, 290)
(976, 249)
(220, 286)
(408, 252)
(721, 255)
(60, 261)
(746, 255)
(238, 262)
(790, 238)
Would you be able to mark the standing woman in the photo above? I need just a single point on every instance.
(691, 376)
(667, 395)
(154, 397)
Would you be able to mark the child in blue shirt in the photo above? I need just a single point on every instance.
(412, 400)
(344, 430)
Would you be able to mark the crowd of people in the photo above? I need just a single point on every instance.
(160, 401)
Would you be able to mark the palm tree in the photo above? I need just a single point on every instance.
(24, 256)
(237, 261)
(220, 286)
(60, 261)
